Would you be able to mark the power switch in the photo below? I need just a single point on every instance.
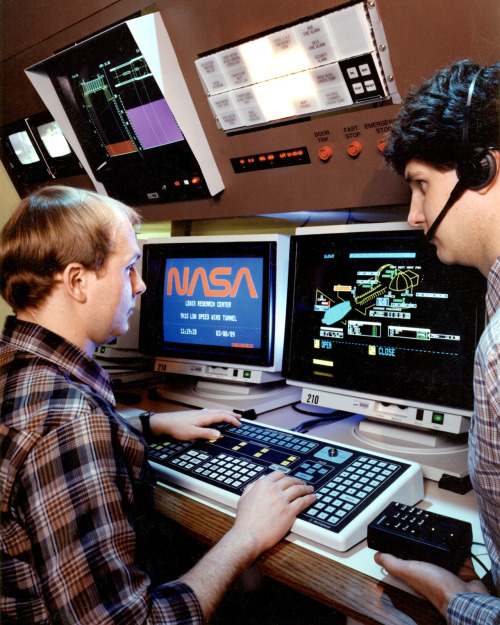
(437, 418)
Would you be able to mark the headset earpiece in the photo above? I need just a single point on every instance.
(477, 167)
(477, 171)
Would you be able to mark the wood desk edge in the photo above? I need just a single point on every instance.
(355, 594)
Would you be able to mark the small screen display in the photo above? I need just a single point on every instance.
(23, 148)
(53, 139)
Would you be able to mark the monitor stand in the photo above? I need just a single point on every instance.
(199, 393)
(440, 455)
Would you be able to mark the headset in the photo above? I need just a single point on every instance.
(476, 168)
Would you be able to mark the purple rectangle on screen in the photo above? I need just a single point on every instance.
(154, 124)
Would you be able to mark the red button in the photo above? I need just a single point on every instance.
(354, 148)
(325, 153)
(382, 143)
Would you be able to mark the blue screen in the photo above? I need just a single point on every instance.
(210, 300)
(213, 301)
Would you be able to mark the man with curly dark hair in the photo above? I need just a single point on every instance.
(445, 141)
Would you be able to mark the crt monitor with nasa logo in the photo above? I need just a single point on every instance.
(213, 317)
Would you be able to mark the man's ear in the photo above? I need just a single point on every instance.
(75, 281)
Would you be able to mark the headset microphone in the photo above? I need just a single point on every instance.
(457, 192)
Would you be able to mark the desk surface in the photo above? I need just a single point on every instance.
(351, 583)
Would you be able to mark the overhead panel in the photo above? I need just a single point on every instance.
(334, 60)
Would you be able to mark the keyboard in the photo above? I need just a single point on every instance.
(352, 486)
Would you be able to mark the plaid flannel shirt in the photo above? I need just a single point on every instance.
(73, 475)
(484, 460)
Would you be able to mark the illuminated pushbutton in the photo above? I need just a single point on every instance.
(325, 153)
(354, 148)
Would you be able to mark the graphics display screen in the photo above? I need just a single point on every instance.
(23, 148)
(124, 104)
(379, 313)
(130, 137)
(53, 139)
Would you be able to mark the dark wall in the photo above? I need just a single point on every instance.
(423, 35)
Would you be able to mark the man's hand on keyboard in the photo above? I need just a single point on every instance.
(268, 508)
(266, 511)
(191, 424)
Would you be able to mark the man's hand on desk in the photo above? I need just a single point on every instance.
(191, 424)
(433, 582)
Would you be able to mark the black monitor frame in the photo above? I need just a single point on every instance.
(320, 261)
(48, 167)
(162, 173)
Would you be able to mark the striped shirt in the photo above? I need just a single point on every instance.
(73, 478)
(484, 460)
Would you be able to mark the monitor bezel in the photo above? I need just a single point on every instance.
(48, 167)
(266, 358)
(164, 173)
(368, 402)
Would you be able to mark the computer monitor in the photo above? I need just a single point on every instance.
(109, 94)
(35, 150)
(53, 139)
(378, 326)
(55, 149)
(23, 147)
(21, 156)
(214, 311)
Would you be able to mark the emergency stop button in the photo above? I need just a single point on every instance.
(325, 153)
(382, 143)
(354, 148)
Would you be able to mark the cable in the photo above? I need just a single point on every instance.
(310, 413)
(305, 426)
(476, 559)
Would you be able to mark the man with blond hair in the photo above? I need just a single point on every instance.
(74, 475)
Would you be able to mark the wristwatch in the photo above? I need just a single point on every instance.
(146, 426)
